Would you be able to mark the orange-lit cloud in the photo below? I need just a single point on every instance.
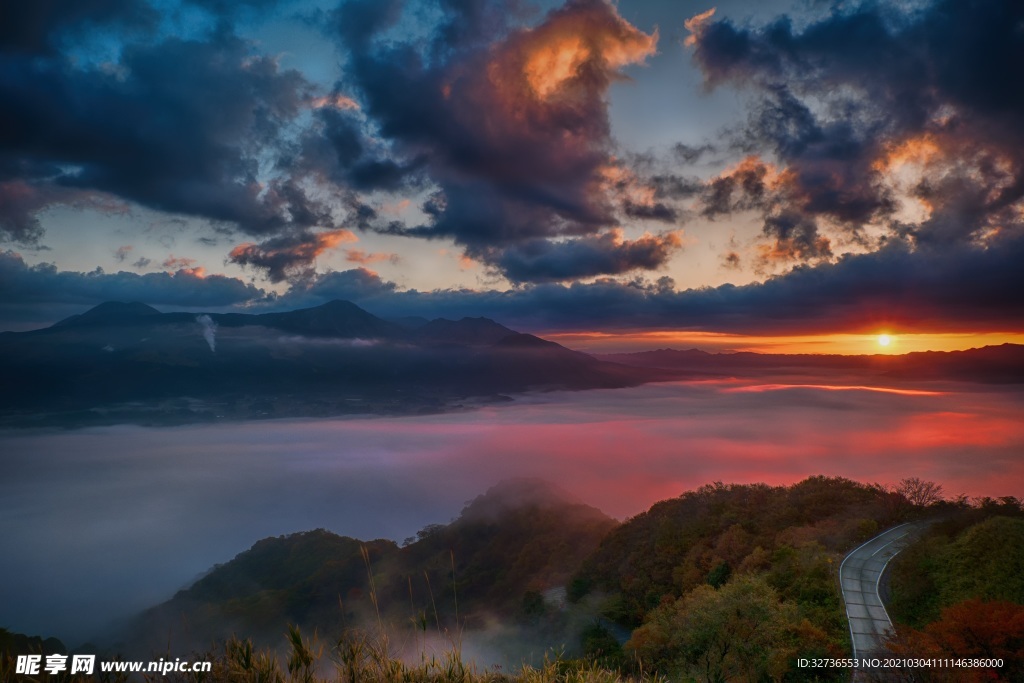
(173, 262)
(920, 150)
(695, 25)
(396, 208)
(638, 198)
(366, 258)
(619, 179)
(789, 249)
(514, 129)
(336, 101)
(198, 272)
(559, 52)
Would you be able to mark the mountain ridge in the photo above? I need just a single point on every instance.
(121, 362)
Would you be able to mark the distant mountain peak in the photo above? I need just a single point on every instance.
(110, 312)
(472, 331)
(338, 318)
(337, 305)
(524, 340)
(515, 493)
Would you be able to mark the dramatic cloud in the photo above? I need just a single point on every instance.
(359, 284)
(43, 285)
(40, 27)
(607, 253)
(900, 288)
(907, 118)
(365, 258)
(20, 201)
(897, 288)
(512, 126)
(178, 126)
(173, 262)
(289, 256)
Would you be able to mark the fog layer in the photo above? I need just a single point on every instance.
(100, 523)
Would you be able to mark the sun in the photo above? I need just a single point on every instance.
(884, 340)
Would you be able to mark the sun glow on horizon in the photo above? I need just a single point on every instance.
(888, 343)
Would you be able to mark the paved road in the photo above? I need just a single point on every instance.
(860, 576)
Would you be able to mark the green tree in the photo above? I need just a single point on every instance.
(987, 561)
(740, 632)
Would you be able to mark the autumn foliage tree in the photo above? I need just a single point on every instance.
(739, 632)
(972, 629)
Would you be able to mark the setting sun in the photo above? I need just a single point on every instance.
(884, 340)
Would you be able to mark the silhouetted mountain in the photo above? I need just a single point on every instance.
(466, 332)
(521, 536)
(112, 313)
(129, 362)
(993, 364)
(410, 322)
(341, 319)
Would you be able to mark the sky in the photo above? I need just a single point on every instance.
(724, 175)
(200, 494)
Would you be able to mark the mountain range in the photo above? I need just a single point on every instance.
(130, 363)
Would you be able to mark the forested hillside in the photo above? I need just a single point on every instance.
(509, 545)
(959, 591)
(724, 583)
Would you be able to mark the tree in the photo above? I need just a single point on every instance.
(919, 492)
(971, 629)
(740, 632)
(986, 561)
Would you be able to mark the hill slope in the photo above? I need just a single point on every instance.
(520, 536)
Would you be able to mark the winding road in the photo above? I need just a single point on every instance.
(860, 578)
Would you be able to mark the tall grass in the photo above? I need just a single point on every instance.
(359, 657)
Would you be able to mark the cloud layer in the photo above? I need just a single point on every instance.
(878, 114)
(881, 151)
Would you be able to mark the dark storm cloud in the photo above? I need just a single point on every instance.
(739, 189)
(40, 27)
(177, 126)
(226, 8)
(357, 284)
(690, 154)
(843, 102)
(510, 124)
(338, 148)
(507, 128)
(608, 253)
(20, 201)
(289, 256)
(668, 186)
(927, 289)
(42, 285)
(795, 237)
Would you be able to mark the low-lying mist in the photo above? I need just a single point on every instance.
(101, 523)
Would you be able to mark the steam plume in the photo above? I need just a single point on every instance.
(209, 330)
